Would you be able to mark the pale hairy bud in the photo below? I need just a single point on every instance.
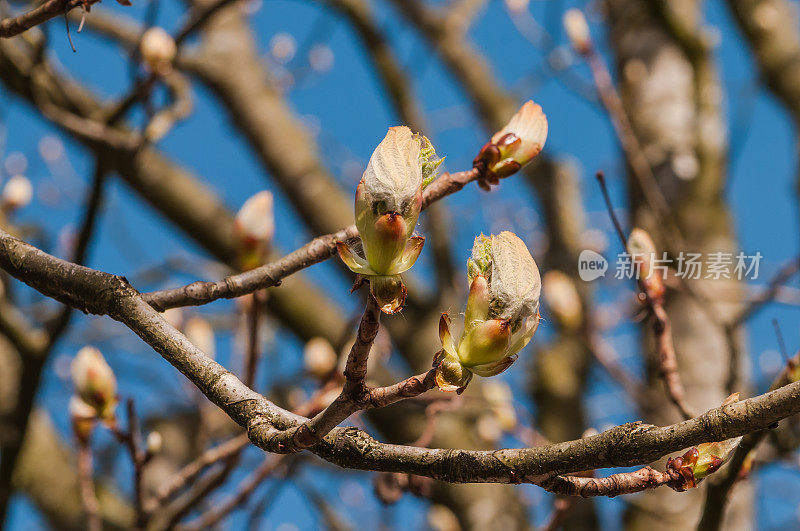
(640, 242)
(201, 334)
(577, 29)
(158, 50)
(387, 206)
(643, 253)
(153, 443)
(94, 381)
(502, 312)
(394, 173)
(512, 274)
(255, 219)
(562, 298)
(319, 357)
(17, 192)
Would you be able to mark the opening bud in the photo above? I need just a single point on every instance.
(502, 311)
(514, 146)
(387, 206)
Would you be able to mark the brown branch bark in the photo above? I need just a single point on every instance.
(12, 26)
(625, 445)
(613, 485)
(317, 250)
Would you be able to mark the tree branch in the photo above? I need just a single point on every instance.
(317, 250)
(626, 445)
(12, 26)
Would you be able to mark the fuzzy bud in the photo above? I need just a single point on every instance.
(158, 50)
(499, 396)
(578, 31)
(17, 192)
(387, 206)
(319, 357)
(502, 312)
(514, 146)
(95, 382)
(255, 227)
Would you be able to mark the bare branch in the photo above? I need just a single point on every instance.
(50, 9)
(317, 250)
(625, 445)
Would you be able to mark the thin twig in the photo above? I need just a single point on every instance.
(90, 503)
(317, 250)
(12, 26)
(627, 445)
(243, 492)
(662, 327)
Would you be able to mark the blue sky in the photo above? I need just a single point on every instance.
(347, 109)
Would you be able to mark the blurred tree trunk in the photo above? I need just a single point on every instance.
(673, 98)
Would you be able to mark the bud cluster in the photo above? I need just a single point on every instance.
(502, 312)
(387, 206)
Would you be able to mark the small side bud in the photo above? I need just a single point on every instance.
(158, 50)
(17, 193)
(153, 443)
(643, 255)
(95, 382)
(319, 357)
(578, 31)
(255, 227)
(704, 459)
(514, 146)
